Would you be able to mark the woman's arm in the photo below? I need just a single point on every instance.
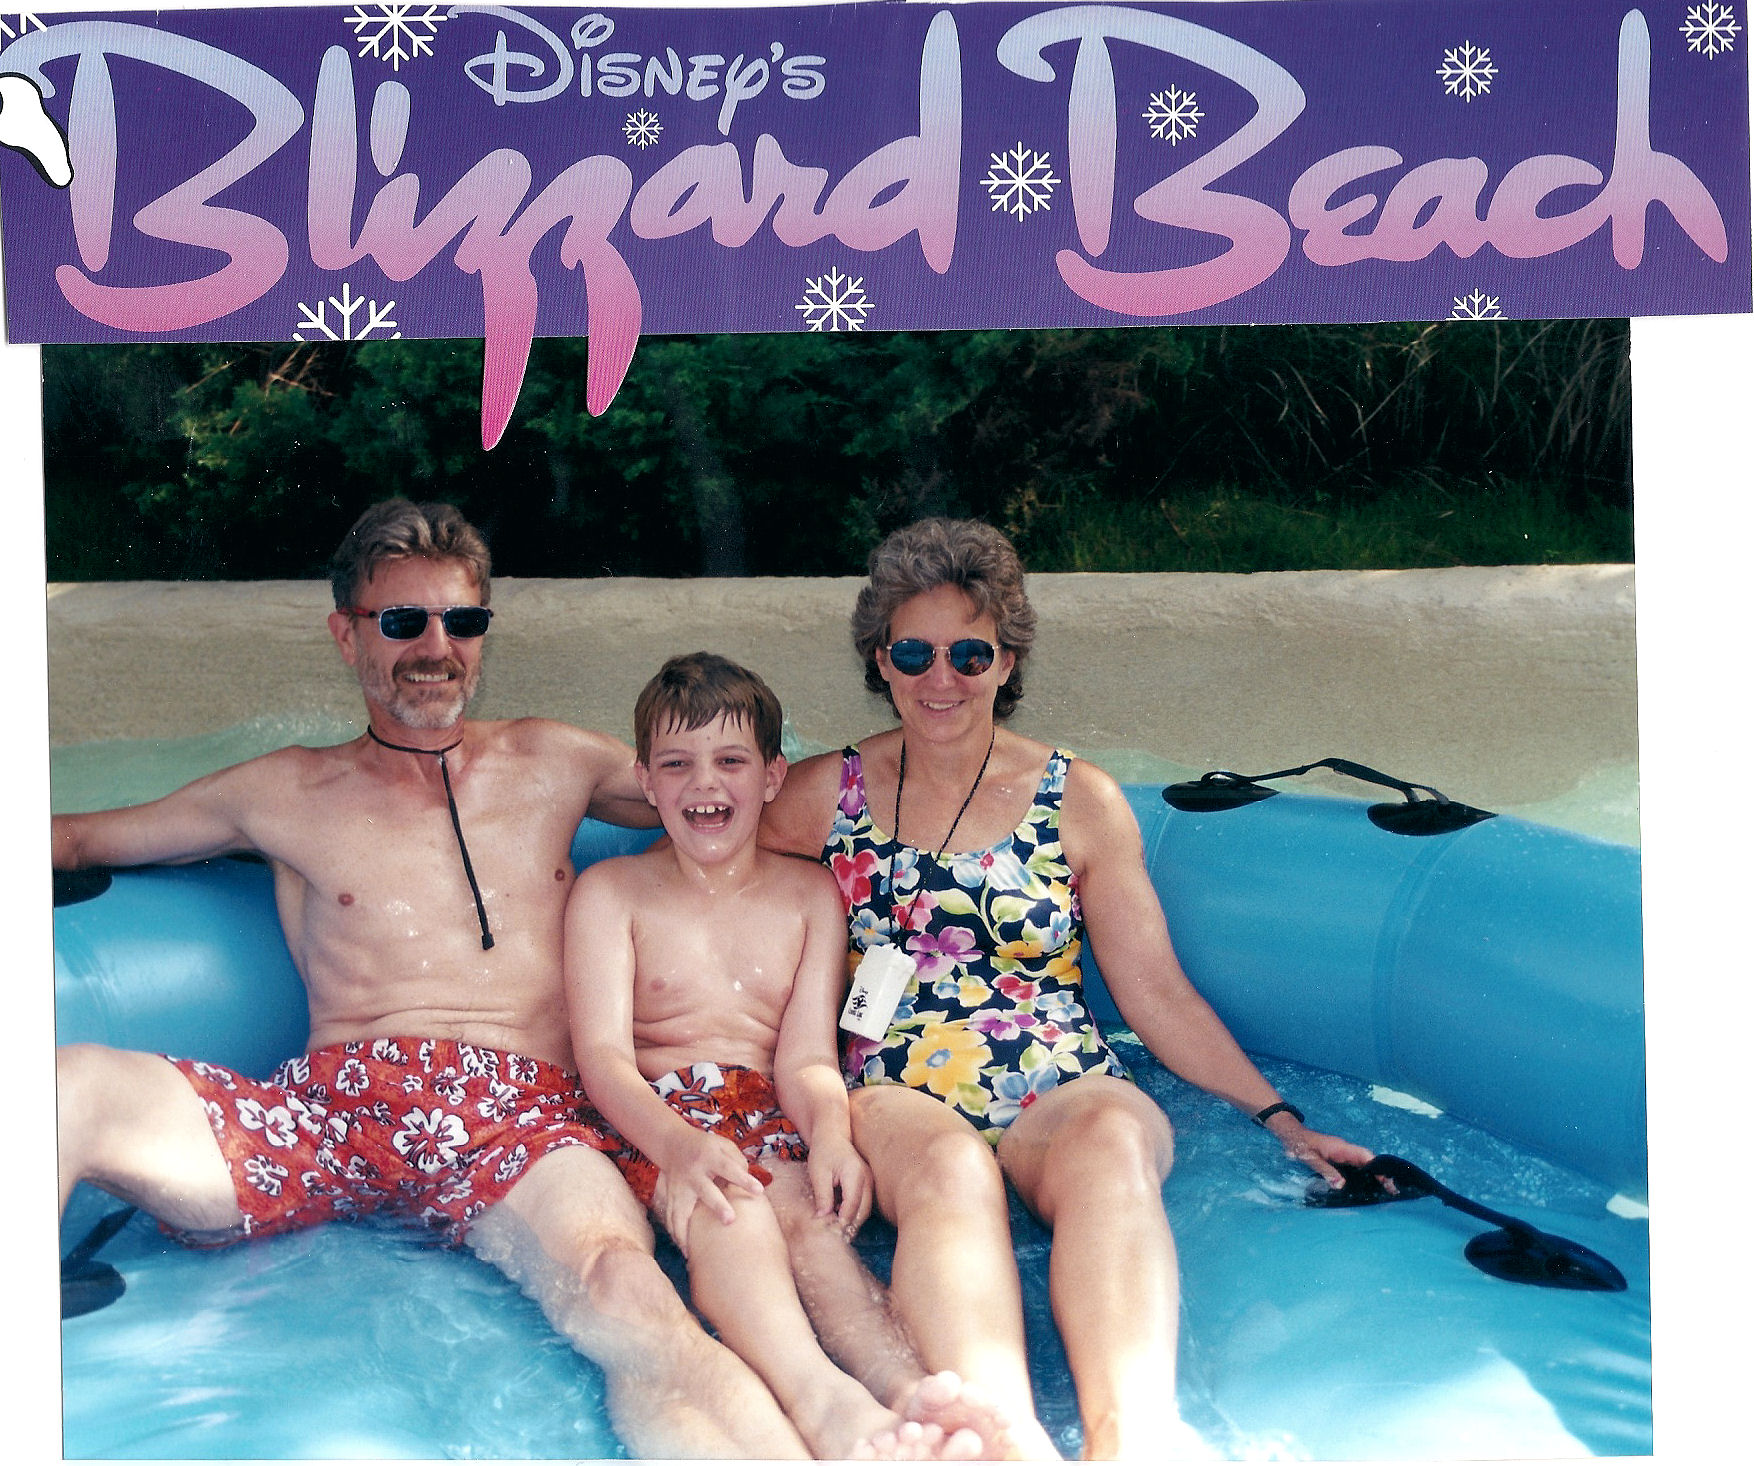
(798, 819)
(1130, 941)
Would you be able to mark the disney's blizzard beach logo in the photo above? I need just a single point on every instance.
(495, 215)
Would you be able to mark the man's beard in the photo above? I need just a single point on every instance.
(427, 706)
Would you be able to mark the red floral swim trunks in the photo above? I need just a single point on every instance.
(729, 1100)
(427, 1129)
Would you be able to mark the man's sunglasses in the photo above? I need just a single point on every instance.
(406, 623)
(912, 655)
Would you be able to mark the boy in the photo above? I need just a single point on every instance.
(703, 980)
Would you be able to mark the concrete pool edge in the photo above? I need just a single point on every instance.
(1502, 686)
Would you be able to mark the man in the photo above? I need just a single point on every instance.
(421, 873)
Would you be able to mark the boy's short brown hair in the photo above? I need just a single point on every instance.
(690, 691)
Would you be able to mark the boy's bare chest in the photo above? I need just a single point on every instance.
(719, 956)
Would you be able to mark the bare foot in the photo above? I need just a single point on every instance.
(947, 1400)
(913, 1440)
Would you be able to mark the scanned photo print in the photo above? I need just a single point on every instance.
(893, 730)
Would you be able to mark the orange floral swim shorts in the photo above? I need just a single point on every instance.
(729, 1100)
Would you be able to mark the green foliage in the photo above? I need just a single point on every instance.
(1133, 448)
(1408, 526)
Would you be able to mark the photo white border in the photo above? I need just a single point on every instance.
(1693, 395)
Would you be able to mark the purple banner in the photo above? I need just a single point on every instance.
(369, 171)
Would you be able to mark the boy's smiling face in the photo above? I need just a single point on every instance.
(708, 785)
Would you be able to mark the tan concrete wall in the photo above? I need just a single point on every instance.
(1501, 687)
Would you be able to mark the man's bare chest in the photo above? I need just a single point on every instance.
(377, 849)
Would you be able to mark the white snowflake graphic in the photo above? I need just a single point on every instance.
(1021, 181)
(1710, 28)
(14, 23)
(1476, 306)
(1173, 115)
(395, 33)
(501, 1101)
(835, 302)
(642, 128)
(514, 1162)
(1467, 71)
(345, 328)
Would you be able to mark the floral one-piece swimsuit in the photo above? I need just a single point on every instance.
(993, 1017)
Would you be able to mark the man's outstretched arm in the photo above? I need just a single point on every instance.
(200, 820)
(616, 797)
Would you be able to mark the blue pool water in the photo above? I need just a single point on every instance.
(417, 1331)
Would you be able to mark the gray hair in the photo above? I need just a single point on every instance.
(975, 558)
(399, 529)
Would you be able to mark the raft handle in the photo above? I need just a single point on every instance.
(87, 1284)
(1425, 812)
(1516, 1252)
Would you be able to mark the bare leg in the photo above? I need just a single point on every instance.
(742, 1282)
(954, 1279)
(858, 1328)
(1089, 1159)
(130, 1124)
(851, 1311)
(572, 1236)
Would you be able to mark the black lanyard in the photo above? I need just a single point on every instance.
(456, 824)
(895, 832)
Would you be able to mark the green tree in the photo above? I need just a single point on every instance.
(1211, 448)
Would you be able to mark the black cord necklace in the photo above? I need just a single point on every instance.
(895, 831)
(456, 823)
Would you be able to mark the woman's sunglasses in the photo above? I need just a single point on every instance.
(912, 655)
(406, 623)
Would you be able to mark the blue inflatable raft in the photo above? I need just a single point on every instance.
(1470, 1000)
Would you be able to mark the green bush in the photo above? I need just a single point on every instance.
(1220, 448)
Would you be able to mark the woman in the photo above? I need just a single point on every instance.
(989, 858)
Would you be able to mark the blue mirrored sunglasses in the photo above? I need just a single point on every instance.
(912, 655)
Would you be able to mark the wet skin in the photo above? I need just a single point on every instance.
(382, 926)
(1089, 1157)
(367, 875)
